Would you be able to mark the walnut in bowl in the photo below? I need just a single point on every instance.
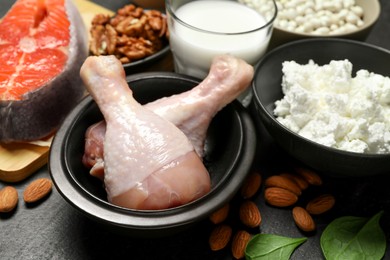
(137, 37)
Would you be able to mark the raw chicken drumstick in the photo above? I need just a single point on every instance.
(190, 111)
(148, 162)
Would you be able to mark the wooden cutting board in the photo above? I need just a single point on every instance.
(20, 160)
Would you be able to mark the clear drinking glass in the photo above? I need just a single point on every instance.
(201, 29)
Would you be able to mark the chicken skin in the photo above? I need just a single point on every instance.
(191, 111)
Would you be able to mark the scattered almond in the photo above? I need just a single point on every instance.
(301, 182)
(251, 185)
(283, 182)
(249, 214)
(320, 204)
(220, 237)
(280, 197)
(303, 219)
(310, 176)
(8, 199)
(220, 215)
(239, 243)
(37, 189)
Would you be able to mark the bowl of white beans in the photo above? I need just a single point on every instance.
(298, 19)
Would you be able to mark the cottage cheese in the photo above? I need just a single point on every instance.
(327, 105)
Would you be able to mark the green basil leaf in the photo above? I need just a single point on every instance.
(354, 238)
(268, 246)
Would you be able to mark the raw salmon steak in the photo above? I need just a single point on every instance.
(42, 47)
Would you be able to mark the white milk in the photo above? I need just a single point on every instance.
(193, 50)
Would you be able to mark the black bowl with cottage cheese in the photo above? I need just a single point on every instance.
(347, 132)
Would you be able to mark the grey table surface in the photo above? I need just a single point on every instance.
(52, 229)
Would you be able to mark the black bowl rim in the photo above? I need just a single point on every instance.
(151, 220)
(285, 129)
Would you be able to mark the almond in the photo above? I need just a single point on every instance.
(310, 176)
(303, 219)
(249, 214)
(251, 185)
(220, 215)
(284, 183)
(220, 237)
(320, 204)
(8, 199)
(239, 243)
(37, 189)
(301, 182)
(280, 197)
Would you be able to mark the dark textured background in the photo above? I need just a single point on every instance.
(52, 229)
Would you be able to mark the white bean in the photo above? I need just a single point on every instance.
(282, 15)
(315, 22)
(300, 20)
(360, 23)
(290, 4)
(334, 27)
(352, 18)
(309, 11)
(283, 23)
(357, 10)
(319, 6)
(322, 30)
(300, 29)
(325, 20)
(329, 6)
(337, 31)
(290, 28)
(292, 24)
(333, 19)
(309, 4)
(348, 3)
(300, 9)
(350, 27)
(308, 27)
(342, 14)
(291, 13)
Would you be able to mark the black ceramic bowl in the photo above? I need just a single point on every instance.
(267, 89)
(230, 148)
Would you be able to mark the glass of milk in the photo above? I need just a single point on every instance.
(201, 29)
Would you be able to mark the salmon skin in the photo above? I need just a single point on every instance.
(43, 44)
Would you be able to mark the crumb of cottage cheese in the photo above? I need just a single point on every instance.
(326, 104)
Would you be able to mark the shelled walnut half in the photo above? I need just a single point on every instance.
(132, 34)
